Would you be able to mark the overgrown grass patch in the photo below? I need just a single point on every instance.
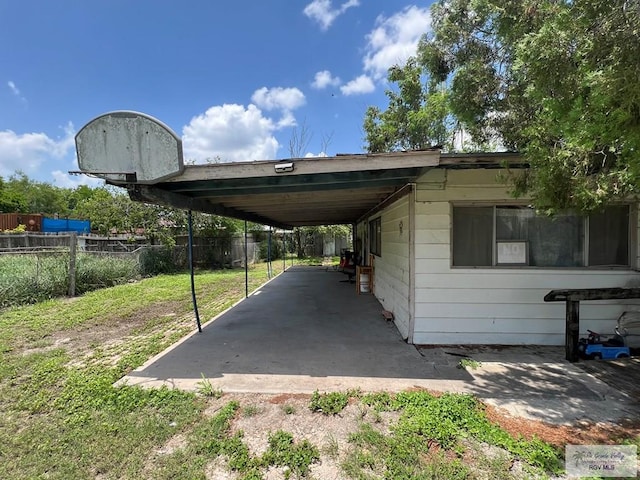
(61, 415)
(26, 279)
(439, 424)
(449, 417)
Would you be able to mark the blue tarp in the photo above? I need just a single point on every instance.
(58, 225)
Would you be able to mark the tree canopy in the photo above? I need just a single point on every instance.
(109, 209)
(417, 117)
(557, 80)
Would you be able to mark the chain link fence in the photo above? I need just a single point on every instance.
(38, 267)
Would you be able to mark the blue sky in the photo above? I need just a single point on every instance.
(234, 79)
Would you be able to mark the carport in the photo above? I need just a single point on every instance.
(328, 318)
(303, 331)
(138, 152)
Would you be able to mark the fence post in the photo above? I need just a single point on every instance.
(73, 243)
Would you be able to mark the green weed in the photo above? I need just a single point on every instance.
(289, 409)
(205, 388)
(447, 418)
(328, 403)
(33, 278)
(250, 411)
(380, 401)
(284, 452)
(331, 447)
(469, 363)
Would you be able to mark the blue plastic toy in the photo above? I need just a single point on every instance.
(594, 348)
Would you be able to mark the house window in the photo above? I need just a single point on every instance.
(375, 236)
(512, 235)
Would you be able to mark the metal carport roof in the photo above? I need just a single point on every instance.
(293, 192)
(301, 191)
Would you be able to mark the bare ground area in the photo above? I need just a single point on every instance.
(262, 414)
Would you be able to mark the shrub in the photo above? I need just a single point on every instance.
(93, 272)
(156, 260)
(276, 249)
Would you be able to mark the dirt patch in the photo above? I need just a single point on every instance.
(260, 415)
(560, 435)
(80, 342)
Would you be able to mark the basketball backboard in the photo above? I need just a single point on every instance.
(129, 147)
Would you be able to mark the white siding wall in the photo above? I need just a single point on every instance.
(392, 267)
(494, 305)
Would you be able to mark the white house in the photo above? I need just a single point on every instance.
(459, 261)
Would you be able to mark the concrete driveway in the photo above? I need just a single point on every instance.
(307, 330)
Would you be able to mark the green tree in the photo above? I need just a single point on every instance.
(418, 115)
(556, 80)
(9, 201)
(113, 211)
(20, 194)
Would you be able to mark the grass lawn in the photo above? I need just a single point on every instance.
(61, 417)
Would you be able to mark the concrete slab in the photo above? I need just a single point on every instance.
(536, 382)
(306, 330)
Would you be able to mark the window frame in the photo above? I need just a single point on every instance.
(631, 240)
(375, 236)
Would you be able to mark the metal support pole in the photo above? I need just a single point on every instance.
(246, 262)
(269, 273)
(284, 251)
(193, 284)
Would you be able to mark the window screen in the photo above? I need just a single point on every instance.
(609, 236)
(375, 236)
(565, 240)
(472, 236)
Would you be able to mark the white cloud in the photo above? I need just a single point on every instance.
(283, 99)
(315, 155)
(278, 98)
(231, 132)
(322, 11)
(13, 88)
(358, 86)
(287, 120)
(324, 79)
(64, 180)
(395, 39)
(16, 91)
(28, 152)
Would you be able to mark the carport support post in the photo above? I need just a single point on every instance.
(284, 250)
(572, 330)
(269, 256)
(193, 285)
(246, 262)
